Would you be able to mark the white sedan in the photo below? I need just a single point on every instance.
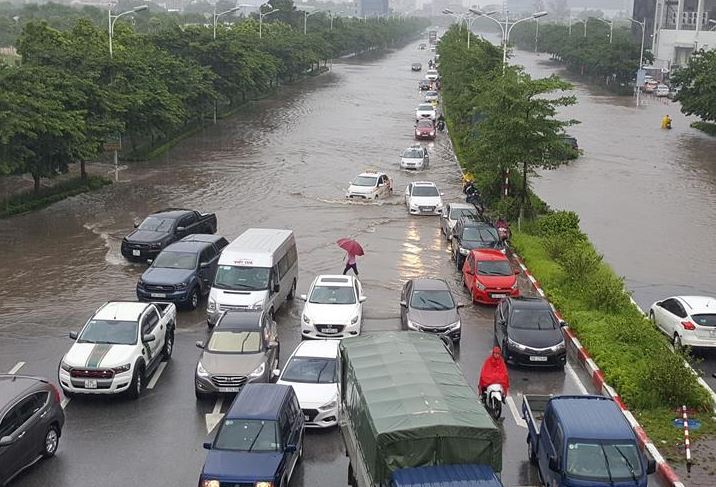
(423, 198)
(687, 320)
(425, 110)
(334, 307)
(415, 157)
(370, 186)
(432, 75)
(311, 371)
(431, 96)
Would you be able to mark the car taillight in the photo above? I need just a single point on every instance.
(688, 325)
(56, 393)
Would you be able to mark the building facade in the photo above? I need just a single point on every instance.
(373, 8)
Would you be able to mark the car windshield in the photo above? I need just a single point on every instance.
(413, 154)
(310, 370)
(456, 213)
(603, 461)
(425, 124)
(333, 295)
(432, 71)
(425, 191)
(705, 319)
(432, 300)
(247, 435)
(155, 224)
(483, 234)
(532, 319)
(431, 93)
(425, 107)
(224, 341)
(494, 268)
(175, 260)
(242, 278)
(109, 332)
(365, 181)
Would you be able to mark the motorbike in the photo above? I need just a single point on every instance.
(441, 125)
(503, 230)
(475, 200)
(493, 397)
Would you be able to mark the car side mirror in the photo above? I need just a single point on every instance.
(460, 305)
(651, 466)
(303, 297)
(148, 338)
(554, 463)
(199, 344)
(7, 441)
(203, 265)
(273, 344)
(362, 299)
(404, 304)
(73, 335)
(276, 372)
(517, 272)
(442, 194)
(207, 445)
(149, 261)
(276, 287)
(563, 323)
(181, 229)
(290, 448)
(136, 225)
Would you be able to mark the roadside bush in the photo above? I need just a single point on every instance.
(560, 244)
(557, 223)
(668, 381)
(603, 290)
(30, 201)
(579, 259)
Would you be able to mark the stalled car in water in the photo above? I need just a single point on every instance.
(415, 157)
(686, 320)
(423, 198)
(425, 129)
(425, 110)
(334, 307)
(452, 213)
(162, 228)
(432, 96)
(370, 186)
(183, 272)
(427, 305)
(432, 75)
(312, 372)
(423, 85)
(489, 276)
(529, 333)
(416, 67)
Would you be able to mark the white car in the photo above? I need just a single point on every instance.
(118, 349)
(312, 372)
(687, 320)
(423, 198)
(661, 91)
(451, 214)
(415, 157)
(431, 75)
(425, 110)
(334, 307)
(370, 186)
(431, 96)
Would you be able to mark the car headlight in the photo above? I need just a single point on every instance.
(329, 405)
(140, 283)
(306, 319)
(558, 347)
(439, 206)
(122, 368)
(514, 344)
(515, 285)
(432, 132)
(480, 286)
(413, 325)
(264, 483)
(156, 245)
(210, 483)
(201, 371)
(258, 305)
(464, 251)
(258, 371)
(455, 326)
(181, 285)
(65, 366)
(413, 206)
(211, 305)
(354, 320)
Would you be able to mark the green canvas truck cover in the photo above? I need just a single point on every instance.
(410, 405)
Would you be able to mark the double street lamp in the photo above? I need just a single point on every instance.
(610, 23)
(506, 28)
(264, 14)
(216, 16)
(307, 14)
(464, 17)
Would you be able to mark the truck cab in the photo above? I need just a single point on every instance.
(583, 441)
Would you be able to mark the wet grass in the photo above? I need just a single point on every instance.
(707, 127)
(30, 201)
(670, 439)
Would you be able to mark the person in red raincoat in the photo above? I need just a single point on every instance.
(494, 371)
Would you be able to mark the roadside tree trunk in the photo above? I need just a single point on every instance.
(83, 170)
(36, 178)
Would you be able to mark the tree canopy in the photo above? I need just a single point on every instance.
(697, 85)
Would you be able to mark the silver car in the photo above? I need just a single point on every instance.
(451, 214)
(241, 349)
(415, 157)
(428, 305)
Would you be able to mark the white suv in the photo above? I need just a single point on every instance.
(425, 110)
(415, 157)
(312, 372)
(370, 186)
(687, 320)
(334, 307)
(423, 198)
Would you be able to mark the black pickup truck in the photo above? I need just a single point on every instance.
(162, 228)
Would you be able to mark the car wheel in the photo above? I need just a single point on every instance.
(193, 300)
(52, 441)
(137, 385)
(300, 452)
(168, 344)
(292, 292)
(530, 452)
(677, 342)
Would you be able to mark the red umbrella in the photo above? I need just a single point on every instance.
(350, 246)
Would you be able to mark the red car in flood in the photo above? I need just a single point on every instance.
(489, 276)
(425, 129)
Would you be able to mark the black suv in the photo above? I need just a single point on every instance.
(472, 233)
(31, 421)
(529, 333)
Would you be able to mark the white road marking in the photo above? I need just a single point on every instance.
(213, 418)
(575, 376)
(515, 412)
(157, 374)
(65, 402)
(17, 367)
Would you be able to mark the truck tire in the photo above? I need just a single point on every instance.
(292, 292)
(168, 344)
(193, 301)
(530, 452)
(137, 385)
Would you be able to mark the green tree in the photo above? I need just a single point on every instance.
(697, 84)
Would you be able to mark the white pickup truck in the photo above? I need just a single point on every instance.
(118, 349)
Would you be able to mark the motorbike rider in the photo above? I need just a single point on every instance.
(503, 227)
(441, 122)
(494, 371)
(666, 122)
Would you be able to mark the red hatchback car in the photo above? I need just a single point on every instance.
(425, 129)
(488, 275)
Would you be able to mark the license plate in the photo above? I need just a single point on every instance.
(496, 296)
(330, 330)
(229, 389)
(158, 295)
(90, 383)
(136, 252)
(535, 358)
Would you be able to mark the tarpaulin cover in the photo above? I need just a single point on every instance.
(410, 406)
(446, 476)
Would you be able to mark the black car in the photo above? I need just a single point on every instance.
(427, 305)
(31, 421)
(162, 228)
(423, 85)
(472, 233)
(416, 67)
(183, 272)
(529, 333)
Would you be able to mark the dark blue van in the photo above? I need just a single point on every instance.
(183, 272)
(259, 440)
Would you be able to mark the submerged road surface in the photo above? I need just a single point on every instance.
(283, 163)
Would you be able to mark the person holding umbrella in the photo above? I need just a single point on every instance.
(353, 249)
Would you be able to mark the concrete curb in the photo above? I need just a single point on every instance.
(597, 376)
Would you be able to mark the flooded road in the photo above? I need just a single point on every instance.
(281, 163)
(646, 196)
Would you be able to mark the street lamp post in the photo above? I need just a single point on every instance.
(262, 15)
(536, 33)
(215, 20)
(464, 17)
(610, 23)
(641, 52)
(307, 14)
(111, 19)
